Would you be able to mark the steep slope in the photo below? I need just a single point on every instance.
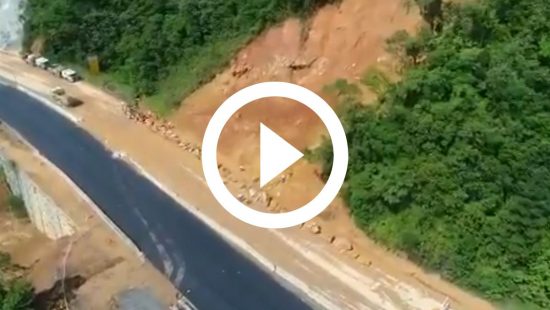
(340, 41)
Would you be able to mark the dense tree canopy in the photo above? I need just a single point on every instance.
(144, 42)
(15, 295)
(453, 165)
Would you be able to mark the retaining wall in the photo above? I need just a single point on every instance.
(43, 212)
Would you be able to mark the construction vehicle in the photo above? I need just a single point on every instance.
(70, 75)
(60, 97)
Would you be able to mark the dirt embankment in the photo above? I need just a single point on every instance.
(340, 41)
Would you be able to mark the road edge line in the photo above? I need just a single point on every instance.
(7, 81)
(77, 190)
(239, 243)
(290, 282)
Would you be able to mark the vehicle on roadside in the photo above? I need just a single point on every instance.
(30, 58)
(42, 63)
(70, 75)
(60, 96)
(56, 69)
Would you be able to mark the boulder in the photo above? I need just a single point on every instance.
(314, 228)
(343, 244)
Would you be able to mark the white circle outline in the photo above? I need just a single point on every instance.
(210, 162)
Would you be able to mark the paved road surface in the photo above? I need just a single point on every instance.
(215, 275)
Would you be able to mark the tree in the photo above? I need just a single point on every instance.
(430, 10)
(154, 46)
(451, 166)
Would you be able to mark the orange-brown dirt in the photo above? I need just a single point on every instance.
(340, 41)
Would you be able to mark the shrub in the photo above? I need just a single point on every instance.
(17, 206)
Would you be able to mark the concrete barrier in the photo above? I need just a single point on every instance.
(42, 210)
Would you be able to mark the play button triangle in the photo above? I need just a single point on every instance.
(275, 155)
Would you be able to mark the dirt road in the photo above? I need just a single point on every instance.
(310, 263)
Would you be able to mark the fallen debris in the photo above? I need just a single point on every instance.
(239, 70)
(313, 228)
(161, 126)
(302, 63)
(342, 244)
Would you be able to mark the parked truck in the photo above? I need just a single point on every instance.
(70, 75)
(55, 69)
(30, 58)
(42, 63)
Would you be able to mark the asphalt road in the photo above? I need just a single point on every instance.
(215, 275)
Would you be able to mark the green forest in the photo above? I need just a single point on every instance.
(164, 49)
(452, 165)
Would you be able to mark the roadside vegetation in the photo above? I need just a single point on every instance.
(452, 165)
(16, 204)
(160, 49)
(15, 293)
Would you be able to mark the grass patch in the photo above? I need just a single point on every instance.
(5, 260)
(341, 87)
(3, 177)
(17, 206)
(108, 82)
(376, 80)
(189, 74)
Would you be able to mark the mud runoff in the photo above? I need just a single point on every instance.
(60, 295)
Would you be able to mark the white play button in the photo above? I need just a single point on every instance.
(275, 155)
